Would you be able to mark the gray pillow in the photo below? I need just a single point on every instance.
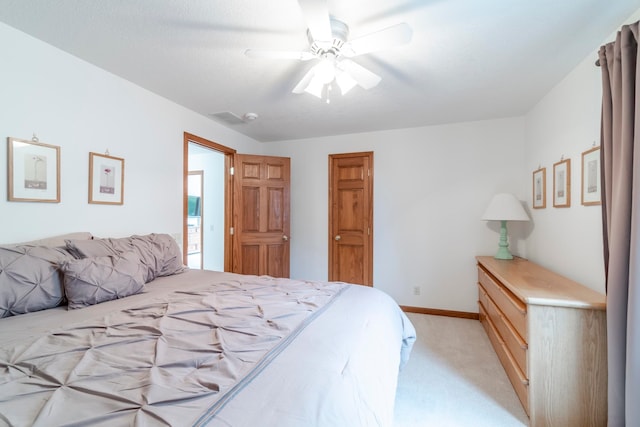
(30, 278)
(59, 240)
(90, 248)
(159, 253)
(91, 281)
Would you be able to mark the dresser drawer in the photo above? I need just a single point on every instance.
(516, 377)
(483, 318)
(514, 309)
(483, 298)
(512, 340)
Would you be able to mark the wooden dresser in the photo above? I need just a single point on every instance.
(550, 335)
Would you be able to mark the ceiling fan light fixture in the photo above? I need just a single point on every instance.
(326, 71)
(329, 43)
(345, 82)
(315, 87)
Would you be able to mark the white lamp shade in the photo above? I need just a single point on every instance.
(505, 207)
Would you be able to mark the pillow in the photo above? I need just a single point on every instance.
(30, 278)
(58, 240)
(90, 248)
(159, 253)
(91, 281)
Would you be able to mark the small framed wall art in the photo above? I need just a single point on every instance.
(106, 179)
(540, 188)
(562, 184)
(33, 171)
(591, 177)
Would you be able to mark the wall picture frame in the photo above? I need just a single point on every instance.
(591, 194)
(106, 179)
(562, 184)
(539, 188)
(33, 171)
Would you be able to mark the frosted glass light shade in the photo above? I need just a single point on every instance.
(325, 71)
(315, 87)
(345, 82)
(505, 207)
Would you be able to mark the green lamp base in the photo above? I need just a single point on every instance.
(503, 249)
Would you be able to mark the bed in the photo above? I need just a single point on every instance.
(118, 332)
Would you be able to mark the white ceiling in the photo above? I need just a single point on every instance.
(467, 60)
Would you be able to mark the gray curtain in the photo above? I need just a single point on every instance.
(620, 161)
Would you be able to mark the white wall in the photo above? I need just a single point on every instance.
(431, 186)
(81, 108)
(566, 122)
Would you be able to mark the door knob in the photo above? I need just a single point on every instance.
(338, 237)
(285, 238)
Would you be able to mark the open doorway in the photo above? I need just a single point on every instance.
(212, 162)
(205, 200)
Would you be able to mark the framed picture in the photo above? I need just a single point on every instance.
(106, 179)
(540, 188)
(33, 171)
(562, 184)
(591, 177)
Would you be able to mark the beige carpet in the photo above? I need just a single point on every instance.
(454, 378)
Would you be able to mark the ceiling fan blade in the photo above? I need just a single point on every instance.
(279, 54)
(394, 35)
(365, 78)
(316, 16)
(304, 82)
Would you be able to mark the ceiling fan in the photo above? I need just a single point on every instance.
(330, 47)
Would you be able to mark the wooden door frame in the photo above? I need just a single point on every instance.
(228, 187)
(330, 236)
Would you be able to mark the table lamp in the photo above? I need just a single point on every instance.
(504, 207)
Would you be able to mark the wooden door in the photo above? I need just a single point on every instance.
(351, 218)
(261, 215)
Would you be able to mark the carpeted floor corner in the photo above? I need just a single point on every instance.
(454, 378)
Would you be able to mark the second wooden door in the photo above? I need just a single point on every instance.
(351, 218)
(261, 215)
